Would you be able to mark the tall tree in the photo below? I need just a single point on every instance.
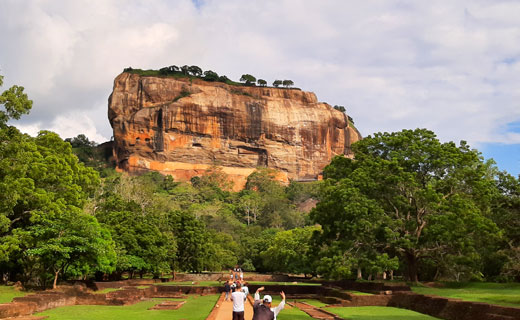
(288, 83)
(248, 79)
(194, 70)
(432, 196)
(262, 82)
(15, 103)
(290, 251)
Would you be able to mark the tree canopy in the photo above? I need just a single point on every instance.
(421, 200)
(248, 79)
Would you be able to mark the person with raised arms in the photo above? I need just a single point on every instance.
(263, 310)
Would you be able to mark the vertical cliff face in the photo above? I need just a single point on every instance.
(181, 127)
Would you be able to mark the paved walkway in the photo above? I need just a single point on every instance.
(224, 311)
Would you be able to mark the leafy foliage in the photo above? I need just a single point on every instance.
(415, 198)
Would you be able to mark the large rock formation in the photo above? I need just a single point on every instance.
(181, 126)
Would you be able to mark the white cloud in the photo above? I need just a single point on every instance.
(450, 66)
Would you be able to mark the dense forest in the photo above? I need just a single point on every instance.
(408, 206)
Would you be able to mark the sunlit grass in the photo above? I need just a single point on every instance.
(505, 294)
(195, 308)
(312, 302)
(358, 293)
(107, 290)
(378, 313)
(7, 293)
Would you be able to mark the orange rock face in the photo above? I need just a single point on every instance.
(181, 127)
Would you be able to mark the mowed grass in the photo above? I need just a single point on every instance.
(358, 293)
(312, 302)
(378, 313)
(505, 294)
(289, 313)
(107, 290)
(7, 293)
(195, 308)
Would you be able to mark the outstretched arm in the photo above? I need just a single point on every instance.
(280, 306)
(257, 293)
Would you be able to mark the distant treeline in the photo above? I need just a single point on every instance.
(209, 75)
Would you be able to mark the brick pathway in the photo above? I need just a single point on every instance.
(224, 310)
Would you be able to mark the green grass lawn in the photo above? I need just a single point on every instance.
(505, 294)
(289, 313)
(191, 283)
(358, 293)
(312, 302)
(7, 293)
(107, 290)
(195, 308)
(378, 313)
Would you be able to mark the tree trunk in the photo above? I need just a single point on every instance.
(412, 267)
(384, 275)
(55, 279)
(391, 274)
(359, 274)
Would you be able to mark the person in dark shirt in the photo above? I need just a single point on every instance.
(227, 290)
(262, 309)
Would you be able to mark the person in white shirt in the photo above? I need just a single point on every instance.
(267, 302)
(245, 289)
(238, 297)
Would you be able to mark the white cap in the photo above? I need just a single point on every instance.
(267, 298)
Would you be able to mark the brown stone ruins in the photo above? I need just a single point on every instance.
(181, 127)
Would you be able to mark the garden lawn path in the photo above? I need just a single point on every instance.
(225, 311)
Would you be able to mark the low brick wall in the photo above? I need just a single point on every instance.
(369, 287)
(17, 309)
(222, 276)
(100, 285)
(167, 291)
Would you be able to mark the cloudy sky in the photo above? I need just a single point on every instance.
(450, 66)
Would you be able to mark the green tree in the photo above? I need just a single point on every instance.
(15, 103)
(173, 68)
(430, 197)
(276, 209)
(290, 251)
(45, 189)
(248, 79)
(210, 76)
(185, 70)
(194, 70)
(80, 141)
(287, 83)
(340, 108)
(194, 246)
(277, 83)
(261, 82)
(506, 214)
(249, 202)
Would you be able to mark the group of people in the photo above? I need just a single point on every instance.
(236, 290)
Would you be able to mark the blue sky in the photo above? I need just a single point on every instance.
(449, 66)
(507, 156)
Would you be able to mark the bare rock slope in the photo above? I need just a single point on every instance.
(181, 126)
